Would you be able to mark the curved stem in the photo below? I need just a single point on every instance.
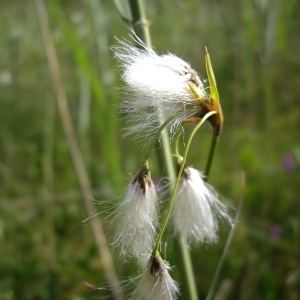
(171, 202)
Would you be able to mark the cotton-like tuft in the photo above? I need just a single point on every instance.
(156, 283)
(197, 210)
(136, 218)
(156, 86)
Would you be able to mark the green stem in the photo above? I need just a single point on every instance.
(214, 281)
(186, 258)
(172, 200)
(211, 154)
(177, 152)
(139, 21)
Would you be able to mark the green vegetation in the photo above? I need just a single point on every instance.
(46, 251)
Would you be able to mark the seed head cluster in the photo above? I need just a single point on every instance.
(163, 87)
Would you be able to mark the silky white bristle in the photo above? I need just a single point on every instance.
(157, 87)
(136, 219)
(197, 209)
(156, 283)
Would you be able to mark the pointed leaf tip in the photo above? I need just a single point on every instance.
(211, 77)
(218, 120)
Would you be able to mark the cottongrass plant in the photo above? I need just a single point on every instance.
(164, 87)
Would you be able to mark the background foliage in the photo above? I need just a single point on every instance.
(46, 252)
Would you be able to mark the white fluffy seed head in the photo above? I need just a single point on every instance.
(197, 209)
(136, 218)
(156, 85)
(156, 283)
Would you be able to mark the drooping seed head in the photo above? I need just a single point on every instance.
(197, 209)
(136, 217)
(155, 282)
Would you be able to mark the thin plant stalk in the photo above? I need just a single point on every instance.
(139, 21)
(216, 275)
(175, 189)
(47, 192)
(76, 155)
(188, 268)
(212, 149)
(84, 116)
(141, 27)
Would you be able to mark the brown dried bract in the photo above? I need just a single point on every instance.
(143, 178)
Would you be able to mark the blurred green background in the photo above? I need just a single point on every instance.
(46, 252)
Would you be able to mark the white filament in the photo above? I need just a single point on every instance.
(156, 286)
(156, 86)
(197, 209)
(136, 220)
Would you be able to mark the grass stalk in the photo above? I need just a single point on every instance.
(47, 193)
(216, 275)
(212, 149)
(84, 116)
(75, 152)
